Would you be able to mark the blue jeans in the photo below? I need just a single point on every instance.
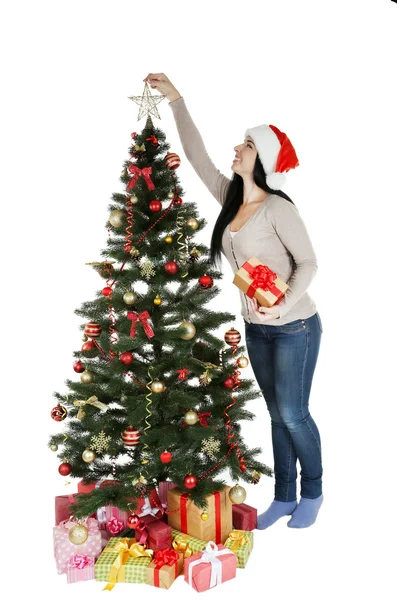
(283, 359)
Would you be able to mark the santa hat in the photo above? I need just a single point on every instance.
(276, 153)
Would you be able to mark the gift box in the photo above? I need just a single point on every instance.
(111, 518)
(153, 532)
(85, 488)
(256, 280)
(164, 486)
(244, 517)
(64, 550)
(215, 565)
(241, 543)
(165, 567)
(80, 568)
(186, 544)
(187, 517)
(62, 507)
(123, 561)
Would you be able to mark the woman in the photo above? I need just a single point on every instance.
(257, 219)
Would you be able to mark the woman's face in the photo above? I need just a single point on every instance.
(246, 154)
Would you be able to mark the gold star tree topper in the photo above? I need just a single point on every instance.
(147, 103)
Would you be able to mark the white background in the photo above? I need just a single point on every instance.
(323, 73)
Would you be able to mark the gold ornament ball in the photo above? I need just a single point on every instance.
(191, 330)
(116, 218)
(204, 516)
(157, 386)
(168, 239)
(170, 195)
(134, 199)
(87, 377)
(191, 417)
(237, 494)
(242, 362)
(78, 534)
(129, 297)
(192, 222)
(157, 301)
(54, 447)
(84, 337)
(88, 455)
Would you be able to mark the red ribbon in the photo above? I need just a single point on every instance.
(182, 373)
(143, 318)
(183, 502)
(136, 172)
(263, 278)
(218, 523)
(141, 532)
(168, 556)
(153, 139)
(203, 416)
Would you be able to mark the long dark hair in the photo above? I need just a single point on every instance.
(233, 200)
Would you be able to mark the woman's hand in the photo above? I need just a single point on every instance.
(264, 313)
(160, 82)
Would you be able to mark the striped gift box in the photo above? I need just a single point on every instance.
(80, 570)
(241, 544)
(193, 543)
(133, 571)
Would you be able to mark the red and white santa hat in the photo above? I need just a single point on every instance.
(276, 153)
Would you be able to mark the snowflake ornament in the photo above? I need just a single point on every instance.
(147, 269)
(100, 442)
(210, 446)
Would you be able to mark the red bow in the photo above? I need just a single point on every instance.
(263, 278)
(167, 556)
(203, 416)
(133, 134)
(182, 373)
(153, 139)
(136, 172)
(141, 532)
(143, 318)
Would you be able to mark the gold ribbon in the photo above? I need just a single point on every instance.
(239, 538)
(182, 547)
(93, 401)
(126, 548)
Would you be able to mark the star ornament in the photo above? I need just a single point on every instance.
(147, 103)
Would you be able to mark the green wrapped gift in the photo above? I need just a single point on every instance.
(241, 544)
(186, 544)
(123, 560)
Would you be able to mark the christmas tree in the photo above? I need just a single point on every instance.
(159, 397)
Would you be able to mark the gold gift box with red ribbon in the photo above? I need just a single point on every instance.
(256, 280)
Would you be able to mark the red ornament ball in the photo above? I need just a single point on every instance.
(132, 520)
(130, 436)
(172, 161)
(229, 383)
(232, 337)
(166, 457)
(190, 482)
(206, 282)
(155, 206)
(78, 366)
(171, 267)
(106, 291)
(178, 201)
(92, 329)
(126, 358)
(88, 346)
(65, 469)
(59, 413)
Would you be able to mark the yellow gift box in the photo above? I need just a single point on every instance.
(256, 280)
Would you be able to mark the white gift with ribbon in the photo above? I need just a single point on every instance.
(147, 508)
(210, 555)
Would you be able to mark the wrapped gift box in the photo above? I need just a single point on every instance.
(111, 518)
(165, 567)
(153, 532)
(188, 518)
(80, 568)
(164, 486)
(85, 488)
(256, 280)
(241, 543)
(62, 507)
(64, 550)
(215, 565)
(123, 561)
(186, 544)
(244, 517)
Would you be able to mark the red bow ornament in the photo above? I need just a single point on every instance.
(143, 318)
(136, 172)
(153, 139)
(183, 373)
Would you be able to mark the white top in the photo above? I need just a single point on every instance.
(233, 233)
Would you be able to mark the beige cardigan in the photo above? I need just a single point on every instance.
(275, 233)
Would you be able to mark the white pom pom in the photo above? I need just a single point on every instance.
(276, 180)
